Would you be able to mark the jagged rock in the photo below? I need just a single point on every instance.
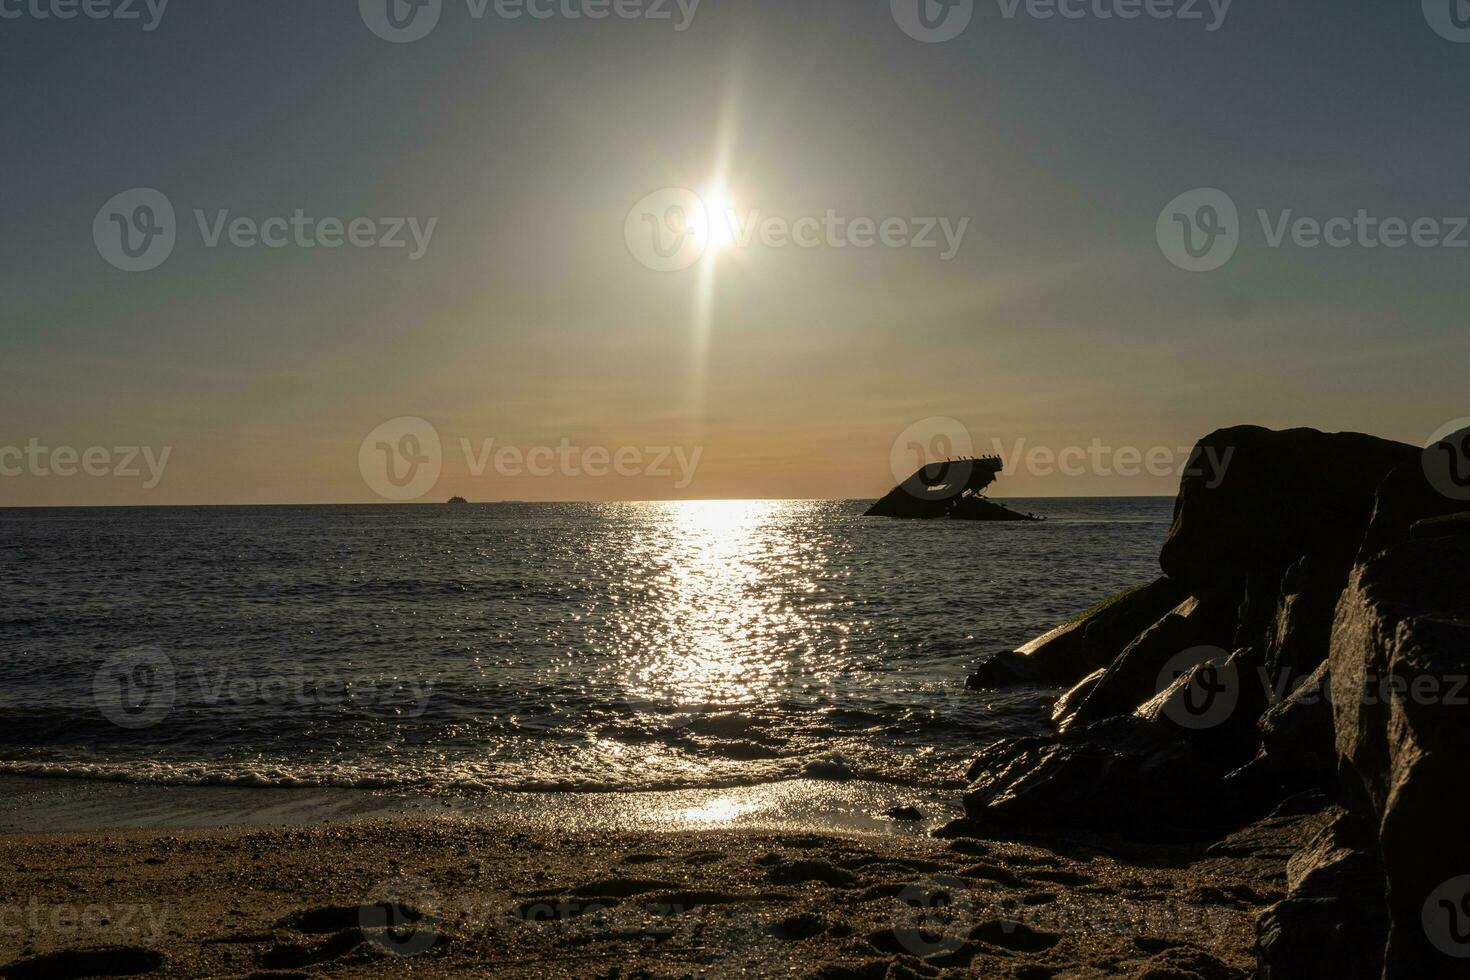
(1264, 846)
(1333, 920)
(1297, 743)
(1404, 498)
(1449, 526)
(1134, 677)
(1091, 640)
(1254, 500)
(1123, 776)
(1213, 706)
(1301, 632)
(1259, 607)
(1401, 711)
(1066, 706)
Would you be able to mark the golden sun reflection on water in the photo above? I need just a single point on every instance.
(721, 810)
(719, 622)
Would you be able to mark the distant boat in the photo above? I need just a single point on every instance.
(953, 489)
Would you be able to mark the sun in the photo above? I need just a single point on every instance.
(719, 209)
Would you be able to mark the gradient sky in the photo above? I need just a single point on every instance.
(528, 321)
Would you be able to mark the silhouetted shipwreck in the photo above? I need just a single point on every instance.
(953, 488)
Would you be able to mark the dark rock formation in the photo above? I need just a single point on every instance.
(1135, 675)
(1298, 747)
(1213, 706)
(1449, 526)
(1123, 776)
(949, 489)
(1258, 611)
(1090, 641)
(1254, 500)
(1337, 567)
(1401, 707)
(1297, 641)
(1332, 921)
(1404, 498)
(1066, 706)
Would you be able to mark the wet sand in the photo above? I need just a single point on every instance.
(452, 896)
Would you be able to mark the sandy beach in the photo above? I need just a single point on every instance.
(451, 896)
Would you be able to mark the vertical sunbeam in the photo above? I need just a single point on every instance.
(704, 301)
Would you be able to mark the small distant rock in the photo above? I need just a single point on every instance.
(905, 813)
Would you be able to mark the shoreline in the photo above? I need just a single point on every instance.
(36, 804)
(440, 896)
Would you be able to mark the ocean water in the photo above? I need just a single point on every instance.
(533, 647)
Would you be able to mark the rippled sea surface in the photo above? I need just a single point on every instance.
(538, 646)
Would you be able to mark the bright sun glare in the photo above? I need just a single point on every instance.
(720, 213)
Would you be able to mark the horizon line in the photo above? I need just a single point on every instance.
(503, 503)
